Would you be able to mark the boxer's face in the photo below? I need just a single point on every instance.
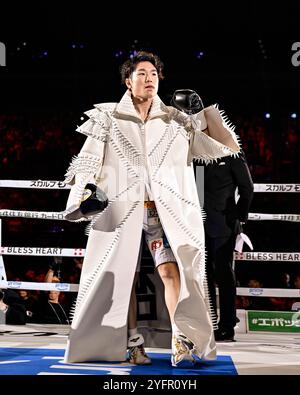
(143, 82)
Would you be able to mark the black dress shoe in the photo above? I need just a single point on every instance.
(224, 335)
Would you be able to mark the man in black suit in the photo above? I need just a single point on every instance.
(224, 220)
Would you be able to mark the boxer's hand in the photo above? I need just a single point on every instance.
(93, 201)
(187, 100)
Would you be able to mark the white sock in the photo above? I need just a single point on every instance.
(132, 332)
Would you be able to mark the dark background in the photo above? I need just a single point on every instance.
(246, 62)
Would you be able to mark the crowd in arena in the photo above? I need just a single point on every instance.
(40, 146)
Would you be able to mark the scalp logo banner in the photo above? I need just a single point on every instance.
(2, 54)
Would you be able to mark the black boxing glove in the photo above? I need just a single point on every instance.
(187, 100)
(93, 201)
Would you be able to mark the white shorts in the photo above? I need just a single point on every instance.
(155, 237)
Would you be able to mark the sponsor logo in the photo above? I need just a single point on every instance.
(156, 244)
(296, 318)
(62, 286)
(273, 321)
(14, 284)
(256, 291)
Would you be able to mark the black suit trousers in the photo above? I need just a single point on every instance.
(220, 273)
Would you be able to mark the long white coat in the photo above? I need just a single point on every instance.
(121, 155)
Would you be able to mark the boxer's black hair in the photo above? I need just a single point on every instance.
(129, 66)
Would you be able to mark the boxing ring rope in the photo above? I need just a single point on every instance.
(79, 252)
(34, 286)
(59, 216)
(46, 184)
